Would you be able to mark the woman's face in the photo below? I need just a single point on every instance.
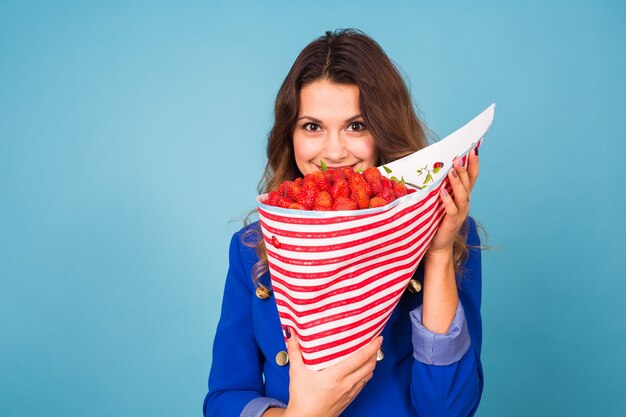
(330, 128)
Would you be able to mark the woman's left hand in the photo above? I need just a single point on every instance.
(462, 179)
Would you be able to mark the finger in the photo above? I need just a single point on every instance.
(293, 348)
(458, 189)
(361, 383)
(359, 357)
(367, 366)
(448, 203)
(365, 372)
(362, 375)
(460, 166)
(473, 168)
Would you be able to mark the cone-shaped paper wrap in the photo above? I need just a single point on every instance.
(337, 275)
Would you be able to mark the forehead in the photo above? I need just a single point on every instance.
(323, 98)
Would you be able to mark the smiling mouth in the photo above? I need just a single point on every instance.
(337, 167)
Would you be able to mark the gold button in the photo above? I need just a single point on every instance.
(282, 358)
(262, 292)
(414, 286)
(380, 355)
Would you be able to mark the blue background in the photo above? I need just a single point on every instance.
(132, 138)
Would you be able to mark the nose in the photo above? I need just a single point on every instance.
(335, 149)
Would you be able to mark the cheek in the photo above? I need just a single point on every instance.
(304, 149)
(365, 150)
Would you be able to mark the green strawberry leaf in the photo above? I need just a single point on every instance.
(394, 179)
(419, 172)
(387, 170)
(428, 178)
(436, 170)
(358, 170)
(323, 165)
(403, 182)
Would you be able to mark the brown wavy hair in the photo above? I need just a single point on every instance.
(346, 56)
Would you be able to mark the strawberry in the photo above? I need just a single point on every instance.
(297, 206)
(378, 202)
(348, 172)
(387, 194)
(338, 175)
(272, 198)
(291, 190)
(340, 189)
(306, 195)
(386, 183)
(323, 201)
(372, 173)
(318, 179)
(360, 197)
(410, 190)
(329, 174)
(283, 187)
(399, 189)
(375, 185)
(283, 202)
(344, 203)
(360, 191)
(357, 182)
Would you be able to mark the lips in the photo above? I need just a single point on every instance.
(336, 167)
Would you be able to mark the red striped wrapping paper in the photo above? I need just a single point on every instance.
(337, 276)
(336, 279)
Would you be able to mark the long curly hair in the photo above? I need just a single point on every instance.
(345, 56)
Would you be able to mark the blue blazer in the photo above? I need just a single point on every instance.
(422, 373)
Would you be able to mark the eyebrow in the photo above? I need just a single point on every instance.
(314, 120)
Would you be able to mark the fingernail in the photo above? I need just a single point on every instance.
(462, 164)
(444, 191)
(476, 151)
(454, 174)
(287, 332)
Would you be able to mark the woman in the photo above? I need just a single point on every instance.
(345, 103)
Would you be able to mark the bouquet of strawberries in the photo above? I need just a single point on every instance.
(342, 245)
(340, 189)
(341, 248)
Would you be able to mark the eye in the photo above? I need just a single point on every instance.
(356, 126)
(311, 127)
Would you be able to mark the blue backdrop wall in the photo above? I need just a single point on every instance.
(132, 133)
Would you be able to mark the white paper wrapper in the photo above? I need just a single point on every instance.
(337, 275)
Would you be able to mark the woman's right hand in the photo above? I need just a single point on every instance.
(328, 392)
